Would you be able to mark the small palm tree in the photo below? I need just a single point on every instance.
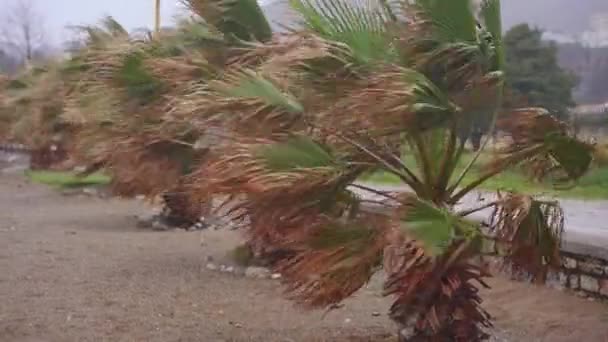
(127, 82)
(372, 86)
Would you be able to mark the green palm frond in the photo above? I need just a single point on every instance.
(247, 84)
(360, 25)
(241, 19)
(491, 16)
(137, 80)
(298, 152)
(437, 228)
(550, 146)
(572, 155)
(453, 21)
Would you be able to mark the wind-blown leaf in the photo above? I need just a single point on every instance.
(138, 82)
(491, 16)
(454, 20)
(297, 152)
(435, 227)
(531, 231)
(334, 260)
(573, 156)
(248, 84)
(242, 19)
(359, 24)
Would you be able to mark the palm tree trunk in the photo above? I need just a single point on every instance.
(157, 17)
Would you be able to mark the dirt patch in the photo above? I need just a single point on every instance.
(78, 269)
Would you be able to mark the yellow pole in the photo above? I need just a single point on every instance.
(157, 16)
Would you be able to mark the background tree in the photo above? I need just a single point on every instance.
(8, 63)
(22, 32)
(533, 75)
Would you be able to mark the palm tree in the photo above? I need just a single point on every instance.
(390, 86)
(126, 83)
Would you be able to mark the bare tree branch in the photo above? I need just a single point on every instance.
(22, 31)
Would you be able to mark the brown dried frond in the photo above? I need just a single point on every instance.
(334, 260)
(137, 171)
(544, 146)
(530, 231)
(211, 105)
(380, 103)
(283, 52)
(241, 170)
(527, 126)
(436, 299)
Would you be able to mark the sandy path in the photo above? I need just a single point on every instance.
(77, 269)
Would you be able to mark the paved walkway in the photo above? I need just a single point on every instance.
(586, 221)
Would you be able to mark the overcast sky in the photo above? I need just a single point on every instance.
(568, 16)
(56, 14)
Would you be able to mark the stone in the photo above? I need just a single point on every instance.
(276, 276)
(573, 281)
(591, 267)
(159, 226)
(375, 314)
(604, 287)
(90, 192)
(555, 281)
(569, 263)
(563, 279)
(589, 284)
(347, 321)
(211, 266)
(257, 272)
(235, 324)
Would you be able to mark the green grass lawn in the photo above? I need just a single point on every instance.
(592, 186)
(65, 179)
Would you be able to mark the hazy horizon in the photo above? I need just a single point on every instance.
(566, 17)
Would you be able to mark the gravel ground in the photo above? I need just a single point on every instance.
(76, 268)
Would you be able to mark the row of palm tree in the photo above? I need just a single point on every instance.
(284, 126)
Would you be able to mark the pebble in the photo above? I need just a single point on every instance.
(276, 276)
(375, 314)
(347, 321)
(235, 324)
(211, 266)
(257, 272)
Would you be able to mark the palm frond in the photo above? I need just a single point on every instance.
(247, 84)
(241, 19)
(333, 261)
(530, 231)
(491, 16)
(535, 129)
(360, 25)
(436, 228)
(453, 21)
